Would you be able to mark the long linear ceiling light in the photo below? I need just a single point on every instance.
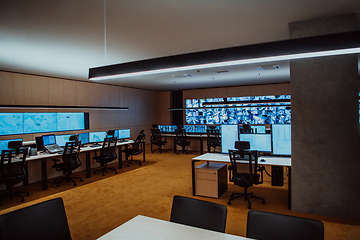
(318, 46)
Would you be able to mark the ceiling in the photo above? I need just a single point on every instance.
(65, 38)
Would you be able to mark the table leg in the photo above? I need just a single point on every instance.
(26, 181)
(193, 174)
(44, 173)
(289, 189)
(120, 157)
(174, 144)
(88, 167)
(143, 143)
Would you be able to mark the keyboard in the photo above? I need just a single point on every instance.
(54, 148)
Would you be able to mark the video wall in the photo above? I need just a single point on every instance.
(25, 123)
(217, 114)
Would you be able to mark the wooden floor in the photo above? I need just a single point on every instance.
(99, 204)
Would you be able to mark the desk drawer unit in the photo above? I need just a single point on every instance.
(211, 179)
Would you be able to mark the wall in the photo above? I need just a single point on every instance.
(23, 89)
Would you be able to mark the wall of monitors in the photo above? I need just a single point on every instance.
(217, 114)
(26, 123)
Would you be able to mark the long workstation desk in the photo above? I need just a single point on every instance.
(262, 160)
(141, 227)
(43, 157)
(191, 136)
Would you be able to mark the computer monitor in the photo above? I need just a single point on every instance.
(229, 135)
(200, 128)
(61, 140)
(189, 128)
(259, 142)
(84, 138)
(281, 134)
(258, 128)
(49, 139)
(124, 133)
(167, 128)
(4, 143)
(95, 137)
(111, 133)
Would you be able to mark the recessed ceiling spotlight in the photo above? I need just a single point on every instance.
(224, 71)
(269, 67)
(181, 75)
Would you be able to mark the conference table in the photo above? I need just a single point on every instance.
(141, 228)
(262, 160)
(191, 136)
(43, 157)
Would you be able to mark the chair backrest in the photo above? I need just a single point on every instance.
(265, 225)
(213, 137)
(71, 155)
(180, 136)
(156, 135)
(198, 213)
(250, 177)
(42, 221)
(137, 144)
(12, 166)
(108, 150)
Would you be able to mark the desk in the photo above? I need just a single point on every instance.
(43, 158)
(141, 227)
(199, 136)
(224, 158)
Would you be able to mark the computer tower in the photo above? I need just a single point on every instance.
(277, 175)
(39, 143)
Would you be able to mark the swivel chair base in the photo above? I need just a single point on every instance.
(160, 149)
(10, 193)
(246, 196)
(67, 178)
(131, 161)
(183, 150)
(104, 170)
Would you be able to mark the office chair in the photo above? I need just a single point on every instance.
(198, 213)
(213, 139)
(70, 161)
(136, 149)
(156, 139)
(42, 221)
(246, 129)
(110, 133)
(182, 140)
(246, 179)
(13, 171)
(271, 226)
(107, 154)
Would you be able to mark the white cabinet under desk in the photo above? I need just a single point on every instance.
(211, 179)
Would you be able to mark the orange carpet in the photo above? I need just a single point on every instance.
(100, 204)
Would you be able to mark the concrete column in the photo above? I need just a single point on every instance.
(325, 126)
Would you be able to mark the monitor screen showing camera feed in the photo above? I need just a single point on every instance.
(124, 134)
(61, 140)
(84, 138)
(259, 142)
(189, 128)
(200, 128)
(258, 128)
(167, 128)
(281, 139)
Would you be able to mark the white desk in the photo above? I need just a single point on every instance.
(198, 136)
(44, 156)
(224, 158)
(146, 228)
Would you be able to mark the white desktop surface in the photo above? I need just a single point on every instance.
(224, 157)
(187, 135)
(147, 228)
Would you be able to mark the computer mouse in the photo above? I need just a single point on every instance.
(262, 160)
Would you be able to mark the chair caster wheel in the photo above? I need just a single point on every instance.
(249, 207)
(229, 203)
(75, 184)
(103, 174)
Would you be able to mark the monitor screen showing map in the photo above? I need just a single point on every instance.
(70, 121)
(61, 140)
(97, 136)
(11, 123)
(124, 133)
(84, 138)
(40, 122)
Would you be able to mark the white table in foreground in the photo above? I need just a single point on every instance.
(147, 228)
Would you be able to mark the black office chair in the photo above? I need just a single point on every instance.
(107, 154)
(245, 179)
(198, 213)
(271, 226)
(213, 139)
(182, 140)
(135, 149)
(42, 221)
(13, 171)
(156, 139)
(246, 128)
(70, 162)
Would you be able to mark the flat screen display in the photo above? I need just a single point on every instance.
(229, 135)
(4, 143)
(200, 129)
(61, 140)
(70, 121)
(167, 128)
(84, 138)
(49, 139)
(258, 128)
(189, 128)
(259, 142)
(40, 122)
(11, 123)
(97, 136)
(281, 139)
(124, 133)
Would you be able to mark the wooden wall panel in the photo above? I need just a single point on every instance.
(70, 93)
(244, 91)
(83, 93)
(269, 89)
(93, 95)
(283, 89)
(257, 90)
(39, 90)
(104, 95)
(6, 89)
(114, 96)
(56, 92)
(232, 92)
(22, 89)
